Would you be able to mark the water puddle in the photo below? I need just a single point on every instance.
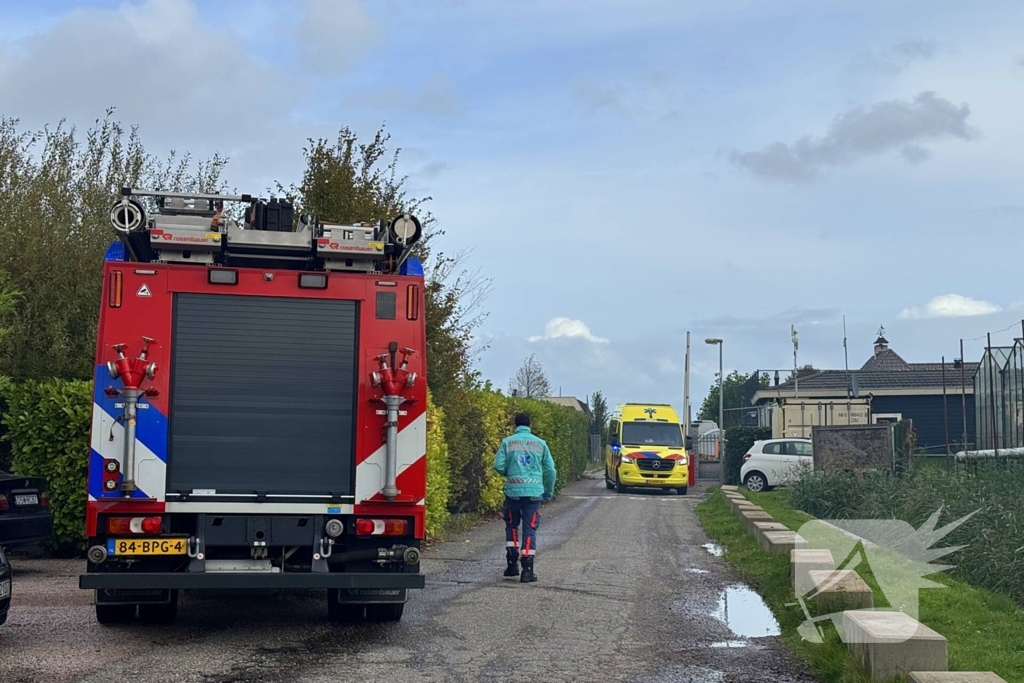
(695, 570)
(745, 613)
(714, 549)
(730, 644)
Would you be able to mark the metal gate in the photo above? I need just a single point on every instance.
(707, 453)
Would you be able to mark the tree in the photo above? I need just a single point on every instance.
(347, 182)
(803, 371)
(530, 380)
(733, 388)
(599, 409)
(56, 190)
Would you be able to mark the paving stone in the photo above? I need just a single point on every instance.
(840, 591)
(889, 644)
(730, 487)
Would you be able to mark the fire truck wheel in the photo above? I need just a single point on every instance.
(160, 614)
(383, 613)
(341, 612)
(114, 614)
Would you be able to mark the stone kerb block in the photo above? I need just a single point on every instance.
(804, 560)
(840, 591)
(890, 644)
(748, 517)
(761, 527)
(955, 677)
(781, 542)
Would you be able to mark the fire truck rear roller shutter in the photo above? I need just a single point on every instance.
(263, 395)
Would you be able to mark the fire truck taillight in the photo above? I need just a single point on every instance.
(381, 527)
(412, 302)
(222, 276)
(312, 281)
(115, 289)
(134, 525)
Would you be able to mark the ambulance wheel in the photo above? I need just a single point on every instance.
(384, 613)
(681, 490)
(342, 612)
(619, 488)
(115, 614)
(160, 613)
(607, 481)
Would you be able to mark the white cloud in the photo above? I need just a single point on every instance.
(160, 65)
(334, 33)
(568, 327)
(950, 306)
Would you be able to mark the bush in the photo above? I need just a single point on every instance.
(738, 441)
(994, 536)
(437, 470)
(48, 431)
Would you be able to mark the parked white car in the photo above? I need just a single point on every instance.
(776, 461)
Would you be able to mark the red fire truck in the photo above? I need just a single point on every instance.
(259, 416)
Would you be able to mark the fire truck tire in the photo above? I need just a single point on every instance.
(384, 613)
(340, 612)
(115, 614)
(160, 614)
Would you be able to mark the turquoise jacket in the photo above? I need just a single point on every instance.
(526, 463)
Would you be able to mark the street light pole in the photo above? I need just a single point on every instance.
(721, 410)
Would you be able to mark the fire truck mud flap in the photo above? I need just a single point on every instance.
(141, 581)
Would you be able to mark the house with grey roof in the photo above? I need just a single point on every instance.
(936, 396)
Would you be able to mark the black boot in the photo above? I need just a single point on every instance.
(528, 576)
(513, 563)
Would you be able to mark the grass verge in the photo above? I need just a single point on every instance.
(769, 576)
(985, 630)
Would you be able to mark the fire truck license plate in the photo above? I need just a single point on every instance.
(150, 546)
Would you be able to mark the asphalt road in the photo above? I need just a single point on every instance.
(627, 592)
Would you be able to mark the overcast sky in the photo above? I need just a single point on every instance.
(624, 170)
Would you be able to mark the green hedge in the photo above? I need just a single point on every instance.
(48, 431)
(738, 441)
(47, 428)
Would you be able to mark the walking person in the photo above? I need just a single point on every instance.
(529, 470)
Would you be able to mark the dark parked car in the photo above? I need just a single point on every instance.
(25, 517)
(5, 586)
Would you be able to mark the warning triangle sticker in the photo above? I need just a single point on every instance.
(144, 290)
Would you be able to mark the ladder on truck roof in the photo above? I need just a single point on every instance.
(246, 230)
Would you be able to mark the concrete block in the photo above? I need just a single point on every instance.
(761, 527)
(955, 677)
(747, 507)
(890, 644)
(840, 591)
(730, 487)
(748, 517)
(781, 542)
(803, 560)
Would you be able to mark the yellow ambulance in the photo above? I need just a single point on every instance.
(646, 449)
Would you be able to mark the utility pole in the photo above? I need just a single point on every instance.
(686, 385)
(721, 410)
